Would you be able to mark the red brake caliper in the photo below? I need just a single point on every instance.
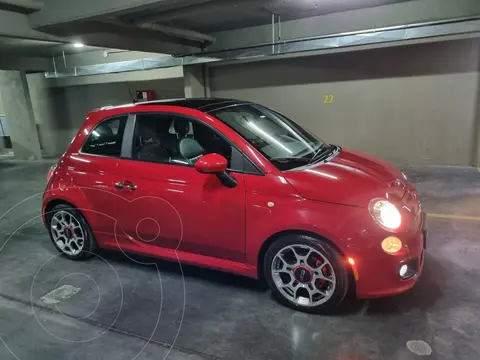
(320, 282)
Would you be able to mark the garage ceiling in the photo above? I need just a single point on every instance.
(168, 26)
(163, 26)
(211, 16)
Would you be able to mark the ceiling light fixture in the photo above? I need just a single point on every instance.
(78, 44)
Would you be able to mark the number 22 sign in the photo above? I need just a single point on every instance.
(328, 99)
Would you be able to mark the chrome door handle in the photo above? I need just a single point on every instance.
(120, 185)
(131, 186)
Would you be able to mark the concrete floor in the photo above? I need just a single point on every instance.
(127, 310)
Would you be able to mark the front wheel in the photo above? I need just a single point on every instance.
(306, 273)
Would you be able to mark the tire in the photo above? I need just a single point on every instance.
(72, 218)
(322, 277)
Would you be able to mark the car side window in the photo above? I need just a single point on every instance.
(106, 138)
(176, 140)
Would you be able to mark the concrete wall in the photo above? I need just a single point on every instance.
(2, 139)
(25, 63)
(411, 104)
(60, 111)
(170, 73)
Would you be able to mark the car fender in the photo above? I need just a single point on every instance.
(333, 222)
(61, 189)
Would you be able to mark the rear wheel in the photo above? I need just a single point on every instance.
(70, 232)
(306, 273)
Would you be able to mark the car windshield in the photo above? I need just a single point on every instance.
(279, 139)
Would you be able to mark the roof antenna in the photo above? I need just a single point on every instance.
(130, 92)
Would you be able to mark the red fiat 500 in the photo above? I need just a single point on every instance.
(235, 186)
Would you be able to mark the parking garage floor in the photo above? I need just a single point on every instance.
(117, 308)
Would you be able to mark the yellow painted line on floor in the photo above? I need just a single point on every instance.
(452, 216)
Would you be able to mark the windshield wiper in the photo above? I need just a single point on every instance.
(318, 151)
(324, 150)
(290, 158)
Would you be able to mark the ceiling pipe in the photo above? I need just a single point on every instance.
(107, 52)
(32, 5)
(273, 33)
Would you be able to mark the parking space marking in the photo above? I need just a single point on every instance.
(419, 347)
(453, 216)
(61, 293)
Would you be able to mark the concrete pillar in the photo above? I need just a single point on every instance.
(18, 109)
(2, 140)
(195, 81)
(50, 114)
(476, 125)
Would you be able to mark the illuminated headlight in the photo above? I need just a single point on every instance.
(386, 214)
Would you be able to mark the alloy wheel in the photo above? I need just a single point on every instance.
(303, 275)
(67, 233)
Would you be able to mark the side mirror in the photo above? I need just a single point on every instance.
(216, 164)
(211, 164)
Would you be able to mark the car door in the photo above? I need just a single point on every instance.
(94, 169)
(167, 202)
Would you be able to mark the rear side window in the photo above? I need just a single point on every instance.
(106, 138)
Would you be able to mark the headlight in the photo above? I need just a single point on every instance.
(386, 214)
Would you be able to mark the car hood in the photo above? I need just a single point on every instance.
(350, 178)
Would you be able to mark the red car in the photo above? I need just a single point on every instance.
(238, 187)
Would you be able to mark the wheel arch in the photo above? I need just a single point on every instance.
(73, 197)
(266, 244)
(50, 205)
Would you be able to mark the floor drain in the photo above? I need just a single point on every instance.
(419, 347)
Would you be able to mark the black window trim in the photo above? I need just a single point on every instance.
(128, 136)
(126, 116)
(131, 129)
(209, 111)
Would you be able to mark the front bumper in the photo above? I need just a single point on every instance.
(378, 275)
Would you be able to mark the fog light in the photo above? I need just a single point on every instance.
(391, 245)
(409, 269)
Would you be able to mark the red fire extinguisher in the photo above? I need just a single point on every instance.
(145, 95)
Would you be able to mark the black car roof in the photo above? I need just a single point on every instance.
(203, 104)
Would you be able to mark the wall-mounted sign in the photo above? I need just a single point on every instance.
(328, 99)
